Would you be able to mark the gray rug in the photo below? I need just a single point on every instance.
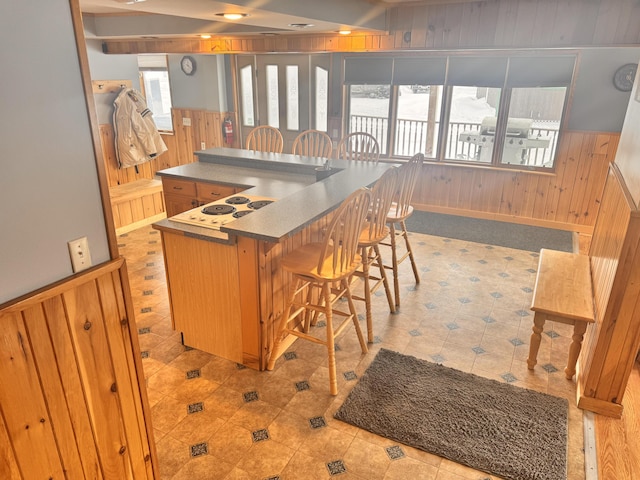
(490, 232)
(494, 427)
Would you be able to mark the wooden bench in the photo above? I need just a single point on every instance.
(136, 203)
(562, 294)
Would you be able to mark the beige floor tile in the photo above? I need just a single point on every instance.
(366, 459)
(485, 291)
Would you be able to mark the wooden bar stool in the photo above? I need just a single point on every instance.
(327, 267)
(360, 146)
(313, 143)
(265, 139)
(373, 232)
(400, 210)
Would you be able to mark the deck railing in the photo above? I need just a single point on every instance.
(412, 136)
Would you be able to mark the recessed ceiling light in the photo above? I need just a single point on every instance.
(344, 32)
(205, 36)
(301, 25)
(232, 16)
(131, 2)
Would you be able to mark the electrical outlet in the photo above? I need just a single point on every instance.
(203, 145)
(186, 122)
(80, 254)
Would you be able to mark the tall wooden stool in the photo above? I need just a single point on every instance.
(400, 210)
(373, 232)
(562, 294)
(326, 266)
(265, 139)
(360, 146)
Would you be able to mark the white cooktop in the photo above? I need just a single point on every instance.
(215, 214)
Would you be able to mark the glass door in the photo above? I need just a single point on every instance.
(288, 92)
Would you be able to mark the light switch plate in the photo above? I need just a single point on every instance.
(80, 254)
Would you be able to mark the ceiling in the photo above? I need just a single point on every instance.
(122, 19)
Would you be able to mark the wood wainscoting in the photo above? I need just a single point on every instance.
(612, 342)
(73, 401)
(136, 197)
(567, 199)
(204, 131)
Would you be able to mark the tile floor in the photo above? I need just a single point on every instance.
(214, 419)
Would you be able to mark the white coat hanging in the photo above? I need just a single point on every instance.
(137, 137)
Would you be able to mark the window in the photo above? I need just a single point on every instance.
(246, 94)
(486, 110)
(156, 89)
(293, 110)
(273, 99)
(417, 120)
(322, 99)
(472, 109)
(369, 111)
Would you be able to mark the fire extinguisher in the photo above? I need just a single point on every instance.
(228, 131)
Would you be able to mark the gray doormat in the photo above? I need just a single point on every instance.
(508, 431)
(490, 232)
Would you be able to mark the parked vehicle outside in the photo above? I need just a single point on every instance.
(420, 88)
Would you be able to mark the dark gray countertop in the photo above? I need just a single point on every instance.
(289, 179)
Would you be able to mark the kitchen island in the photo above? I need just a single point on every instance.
(226, 287)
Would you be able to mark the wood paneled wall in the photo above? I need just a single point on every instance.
(567, 199)
(612, 342)
(73, 401)
(450, 25)
(205, 131)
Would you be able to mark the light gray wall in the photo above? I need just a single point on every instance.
(48, 181)
(597, 105)
(110, 67)
(200, 90)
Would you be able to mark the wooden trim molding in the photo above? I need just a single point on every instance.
(83, 60)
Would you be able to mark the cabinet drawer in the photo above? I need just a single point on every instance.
(210, 192)
(179, 187)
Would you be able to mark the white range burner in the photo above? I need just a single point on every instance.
(215, 214)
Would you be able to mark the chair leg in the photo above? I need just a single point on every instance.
(414, 267)
(367, 291)
(383, 276)
(354, 315)
(394, 263)
(331, 349)
(284, 319)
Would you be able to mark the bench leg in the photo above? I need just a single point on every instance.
(536, 338)
(574, 350)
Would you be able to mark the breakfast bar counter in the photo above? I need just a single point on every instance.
(289, 180)
(226, 287)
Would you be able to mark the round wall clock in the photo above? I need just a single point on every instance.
(188, 65)
(624, 76)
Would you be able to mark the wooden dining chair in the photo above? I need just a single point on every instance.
(265, 139)
(321, 273)
(373, 232)
(313, 143)
(399, 211)
(359, 146)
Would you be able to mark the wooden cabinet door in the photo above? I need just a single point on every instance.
(179, 195)
(210, 192)
(175, 204)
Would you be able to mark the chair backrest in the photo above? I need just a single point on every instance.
(359, 146)
(407, 177)
(341, 237)
(313, 143)
(265, 139)
(382, 194)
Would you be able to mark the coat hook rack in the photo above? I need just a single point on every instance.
(109, 86)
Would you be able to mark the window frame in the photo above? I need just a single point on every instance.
(143, 91)
(355, 76)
